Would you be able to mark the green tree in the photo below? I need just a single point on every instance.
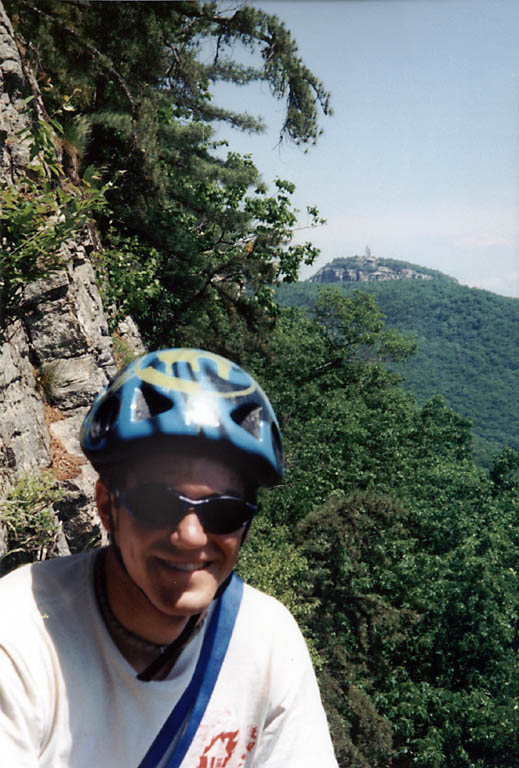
(344, 421)
(218, 241)
(413, 592)
(352, 545)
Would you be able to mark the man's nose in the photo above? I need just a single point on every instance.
(189, 532)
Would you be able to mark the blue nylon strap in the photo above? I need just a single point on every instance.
(196, 696)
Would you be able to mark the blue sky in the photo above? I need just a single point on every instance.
(420, 160)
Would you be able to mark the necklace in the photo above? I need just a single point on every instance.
(164, 654)
(112, 622)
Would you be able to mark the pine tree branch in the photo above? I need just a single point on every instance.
(105, 62)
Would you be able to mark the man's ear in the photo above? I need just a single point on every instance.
(104, 505)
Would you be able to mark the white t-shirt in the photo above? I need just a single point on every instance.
(69, 699)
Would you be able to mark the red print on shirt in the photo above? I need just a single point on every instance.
(220, 750)
(250, 746)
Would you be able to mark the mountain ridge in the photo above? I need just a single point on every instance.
(368, 268)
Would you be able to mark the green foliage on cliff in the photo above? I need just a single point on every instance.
(28, 517)
(39, 212)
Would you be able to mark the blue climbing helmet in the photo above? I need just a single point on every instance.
(190, 400)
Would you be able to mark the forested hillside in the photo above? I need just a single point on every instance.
(467, 349)
(396, 552)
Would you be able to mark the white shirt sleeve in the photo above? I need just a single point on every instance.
(19, 727)
(29, 678)
(296, 730)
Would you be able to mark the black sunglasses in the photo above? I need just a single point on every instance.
(156, 506)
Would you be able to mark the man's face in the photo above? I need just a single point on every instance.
(179, 569)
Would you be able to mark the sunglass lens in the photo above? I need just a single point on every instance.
(224, 515)
(153, 506)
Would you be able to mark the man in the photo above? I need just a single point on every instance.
(150, 652)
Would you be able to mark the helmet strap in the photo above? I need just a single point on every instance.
(113, 542)
(119, 555)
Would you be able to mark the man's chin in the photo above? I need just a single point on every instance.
(187, 602)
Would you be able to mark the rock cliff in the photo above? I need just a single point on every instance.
(58, 354)
(365, 269)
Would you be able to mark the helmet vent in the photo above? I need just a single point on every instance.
(147, 403)
(219, 384)
(249, 417)
(105, 418)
